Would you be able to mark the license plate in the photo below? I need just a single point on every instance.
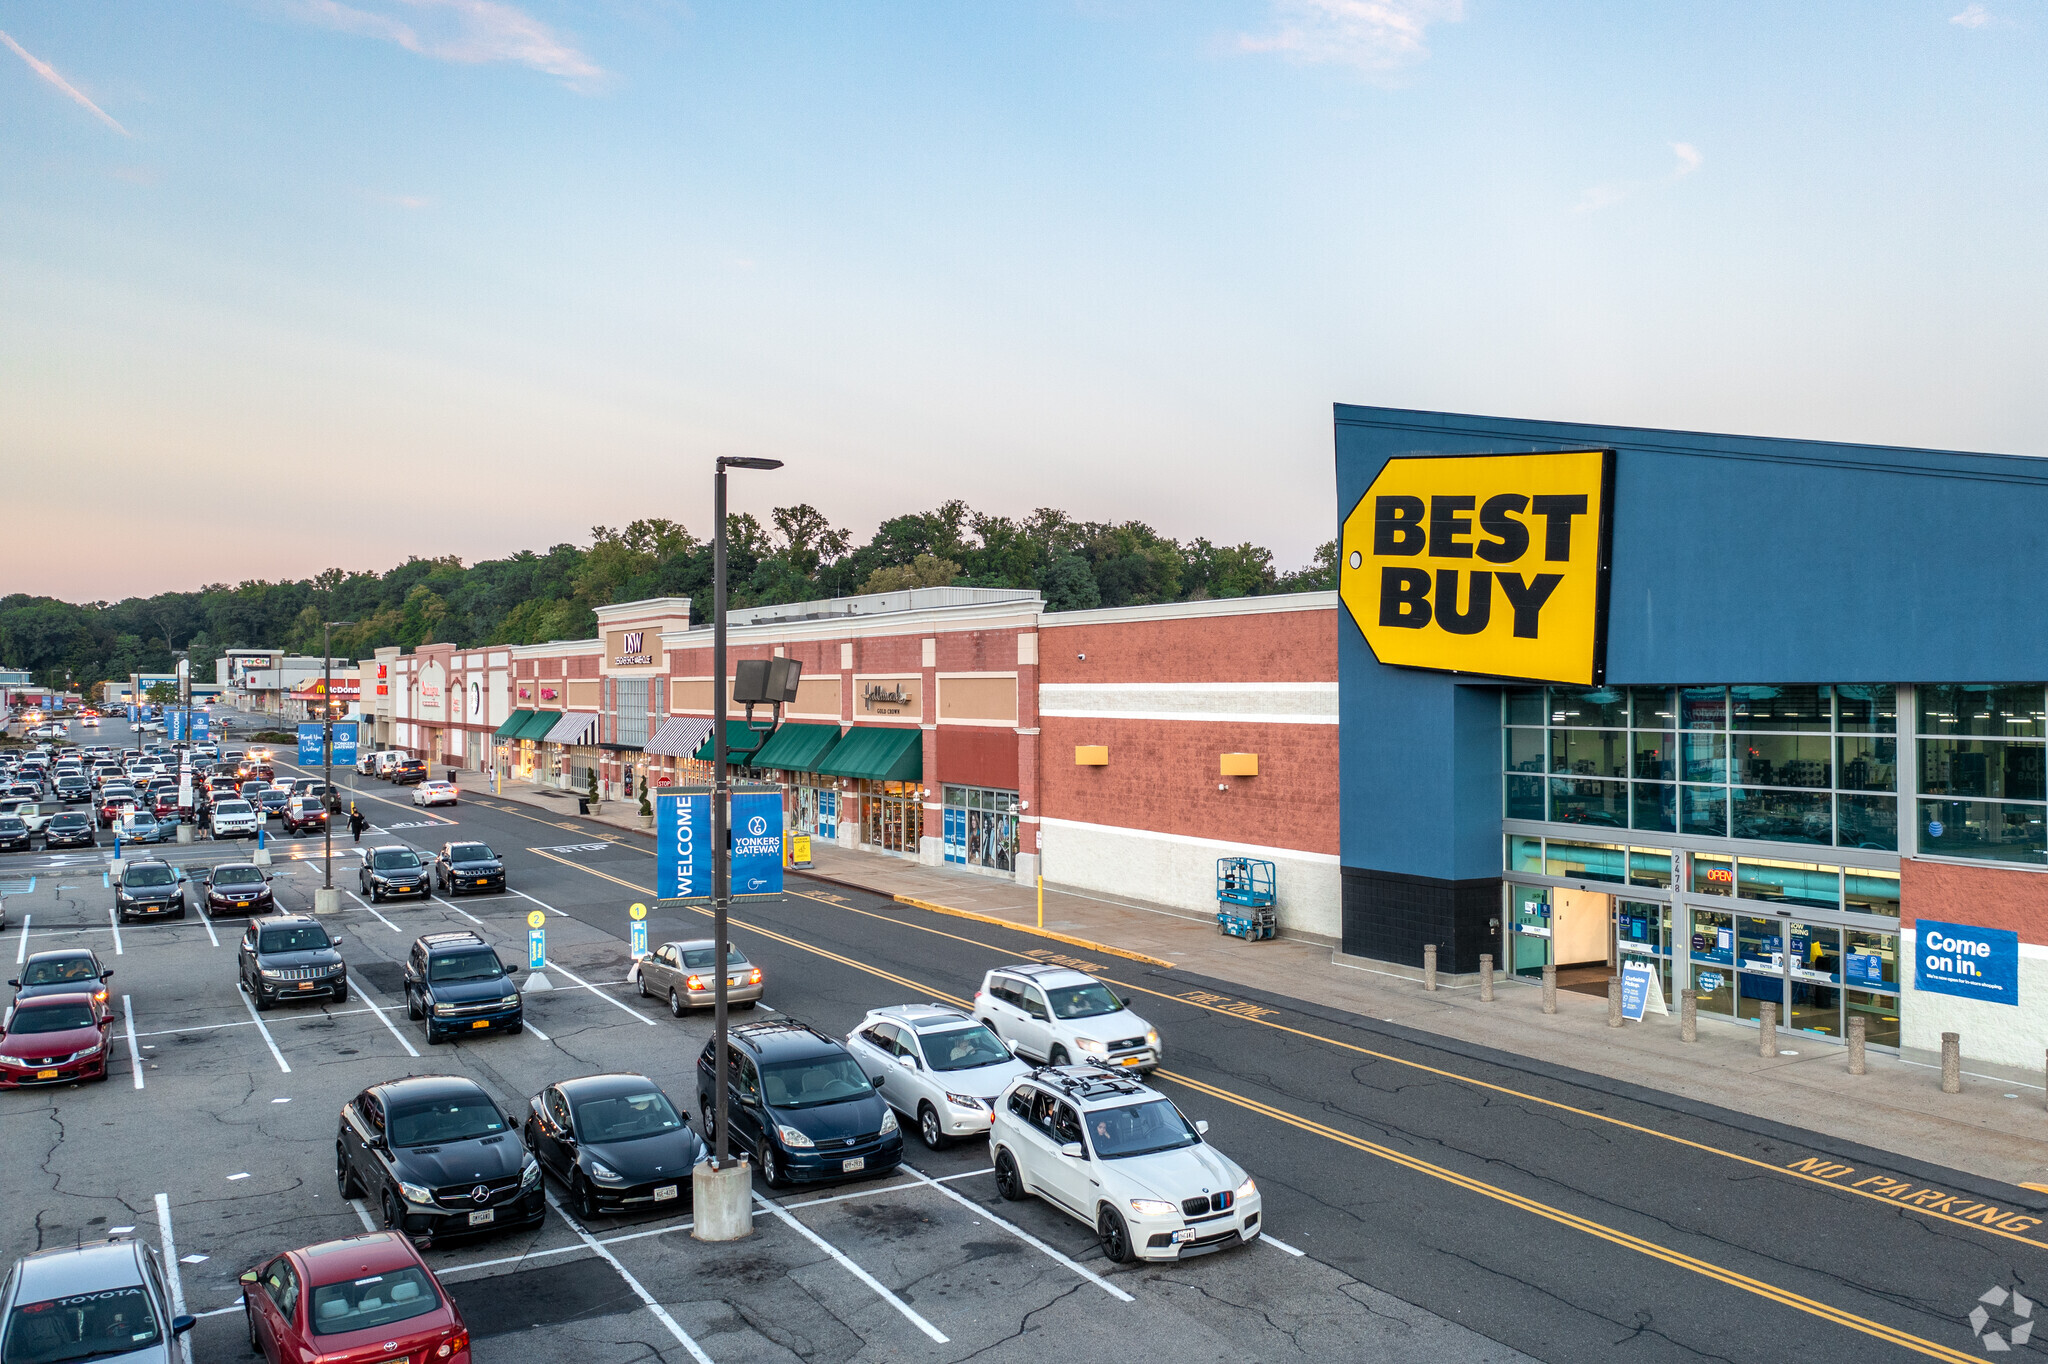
(1184, 1234)
(481, 1023)
(483, 1217)
(853, 1163)
(46, 1075)
(482, 882)
(241, 904)
(305, 985)
(1132, 1061)
(734, 981)
(666, 1192)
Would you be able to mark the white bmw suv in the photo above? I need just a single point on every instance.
(1058, 1017)
(1120, 1157)
(936, 1066)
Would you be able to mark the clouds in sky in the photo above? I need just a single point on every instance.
(472, 32)
(1971, 16)
(1367, 35)
(1606, 195)
(71, 92)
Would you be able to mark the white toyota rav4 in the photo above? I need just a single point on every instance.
(1057, 1016)
(1120, 1157)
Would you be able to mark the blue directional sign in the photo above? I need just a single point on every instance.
(345, 743)
(1962, 959)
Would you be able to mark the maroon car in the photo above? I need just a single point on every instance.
(55, 1040)
(369, 1298)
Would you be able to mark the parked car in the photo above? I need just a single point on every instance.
(144, 827)
(683, 974)
(271, 802)
(615, 1141)
(115, 806)
(935, 1066)
(303, 814)
(37, 814)
(74, 788)
(1117, 1156)
(417, 1150)
(72, 829)
(238, 887)
(436, 793)
(409, 772)
(151, 889)
(384, 761)
(15, 835)
(468, 869)
(1056, 1016)
(56, 1039)
(455, 983)
(291, 956)
(62, 971)
(800, 1104)
(365, 1297)
(70, 1303)
(233, 819)
(392, 871)
(368, 759)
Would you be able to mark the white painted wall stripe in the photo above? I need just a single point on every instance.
(1231, 846)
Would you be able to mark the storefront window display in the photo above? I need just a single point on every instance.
(892, 816)
(981, 827)
(814, 810)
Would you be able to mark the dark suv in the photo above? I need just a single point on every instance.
(393, 871)
(290, 956)
(800, 1103)
(72, 829)
(468, 868)
(411, 772)
(237, 887)
(454, 983)
(436, 1158)
(75, 789)
(151, 889)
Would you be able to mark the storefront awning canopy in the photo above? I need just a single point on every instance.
(537, 724)
(572, 728)
(514, 722)
(677, 738)
(797, 747)
(877, 753)
(738, 739)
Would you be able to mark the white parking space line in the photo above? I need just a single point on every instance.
(268, 1040)
(207, 919)
(578, 1249)
(910, 1313)
(177, 1280)
(575, 979)
(363, 1211)
(134, 1052)
(660, 1312)
(354, 983)
(234, 1306)
(1026, 1237)
(380, 918)
(1279, 1244)
(238, 1023)
(459, 910)
(527, 1024)
(114, 918)
(21, 948)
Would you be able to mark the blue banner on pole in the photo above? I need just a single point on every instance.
(682, 844)
(345, 743)
(200, 726)
(757, 843)
(1962, 959)
(309, 746)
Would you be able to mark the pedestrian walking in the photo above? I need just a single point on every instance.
(356, 821)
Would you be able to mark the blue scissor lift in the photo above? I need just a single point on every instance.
(1244, 898)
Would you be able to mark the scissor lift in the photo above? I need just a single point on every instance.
(1244, 898)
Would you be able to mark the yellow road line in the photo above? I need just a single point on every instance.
(1707, 1269)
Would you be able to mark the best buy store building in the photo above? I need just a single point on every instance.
(1769, 716)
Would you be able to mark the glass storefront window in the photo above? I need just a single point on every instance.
(1524, 853)
(1653, 808)
(1784, 760)
(980, 827)
(1872, 962)
(1867, 822)
(2002, 712)
(1589, 752)
(1713, 875)
(1977, 767)
(1703, 707)
(1706, 810)
(1654, 707)
(1789, 883)
(1868, 891)
(1706, 757)
(1713, 988)
(1523, 798)
(892, 816)
(1523, 751)
(1807, 709)
(1585, 861)
(1880, 1015)
(1816, 996)
(1782, 816)
(1759, 965)
(1577, 801)
(1524, 705)
(1867, 708)
(1649, 867)
(1600, 708)
(1643, 927)
(1656, 756)
(1713, 937)
(1982, 829)
(1868, 764)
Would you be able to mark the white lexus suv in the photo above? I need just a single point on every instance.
(1120, 1157)
(1057, 1017)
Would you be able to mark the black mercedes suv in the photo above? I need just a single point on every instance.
(436, 1158)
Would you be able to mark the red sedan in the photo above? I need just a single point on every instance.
(55, 1040)
(368, 1298)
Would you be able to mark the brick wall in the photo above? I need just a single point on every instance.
(1989, 897)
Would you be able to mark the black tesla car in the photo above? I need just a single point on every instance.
(616, 1141)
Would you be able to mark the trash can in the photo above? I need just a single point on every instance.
(582, 805)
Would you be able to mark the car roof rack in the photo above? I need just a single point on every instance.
(1039, 968)
(762, 1027)
(451, 935)
(1086, 1082)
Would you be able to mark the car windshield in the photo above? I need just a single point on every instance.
(109, 1321)
(303, 938)
(1084, 1001)
(238, 876)
(626, 1117)
(232, 807)
(470, 852)
(464, 1119)
(481, 964)
(814, 1081)
(701, 958)
(149, 876)
(1139, 1130)
(12, 825)
(34, 1018)
(371, 1303)
(71, 821)
(394, 859)
(963, 1048)
(61, 970)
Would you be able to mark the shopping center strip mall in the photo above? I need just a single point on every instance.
(1742, 711)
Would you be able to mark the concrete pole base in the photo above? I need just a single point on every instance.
(1767, 1030)
(1550, 989)
(1688, 1016)
(1486, 977)
(1857, 1035)
(184, 833)
(1429, 966)
(723, 1201)
(327, 899)
(1614, 1018)
(1951, 1063)
(261, 857)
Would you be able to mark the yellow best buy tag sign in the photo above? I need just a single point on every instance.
(1492, 564)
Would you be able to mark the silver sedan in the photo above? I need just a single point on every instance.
(683, 974)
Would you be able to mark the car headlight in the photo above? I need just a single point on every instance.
(1091, 1046)
(529, 1173)
(888, 1120)
(605, 1172)
(444, 1008)
(14, 1061)
(270, 975)
(1247, 1189)
(416, 1193)
(92, 1050)
(1152, 1038)
(963, 1101)
(1152, 1207)
(791, 1137)
(512, 998)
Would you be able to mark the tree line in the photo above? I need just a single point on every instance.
(532, 597)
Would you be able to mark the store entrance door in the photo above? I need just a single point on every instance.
(1528, 945)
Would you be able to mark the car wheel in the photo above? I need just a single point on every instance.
(376, 896)
(341, 994)
(585, 1199)
(640, 979)
(516, 1028)
(249, 1311)
(675, 1002)
(435, 1037)
(1115, 1237)
(412, 1007)
(1058, 1057)
(771, 1166)
(393, 1220)
(928, 1126)
(345, 1181)
(1009, 1183)
(707, 1119)
(263, 1006)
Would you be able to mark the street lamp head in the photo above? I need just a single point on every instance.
(747, 462)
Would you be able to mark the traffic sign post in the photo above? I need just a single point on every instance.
(639, 916)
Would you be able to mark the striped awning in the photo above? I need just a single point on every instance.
(572, 728)
(678, 738)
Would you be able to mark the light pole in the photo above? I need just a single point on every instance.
(327, 899)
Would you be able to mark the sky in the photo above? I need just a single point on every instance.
(292, 284)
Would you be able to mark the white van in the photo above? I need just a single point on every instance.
(381, 762)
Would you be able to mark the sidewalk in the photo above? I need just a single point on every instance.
(1996, 1128)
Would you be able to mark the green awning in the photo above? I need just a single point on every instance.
(514, 722)
(738, 739)
(797, 747)
(538, 724)
(878, 753)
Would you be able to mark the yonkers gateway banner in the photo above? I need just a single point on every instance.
(682, 841)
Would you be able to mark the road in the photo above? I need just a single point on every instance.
(1430, 1200)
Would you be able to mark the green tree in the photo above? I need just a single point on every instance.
(926, 570)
